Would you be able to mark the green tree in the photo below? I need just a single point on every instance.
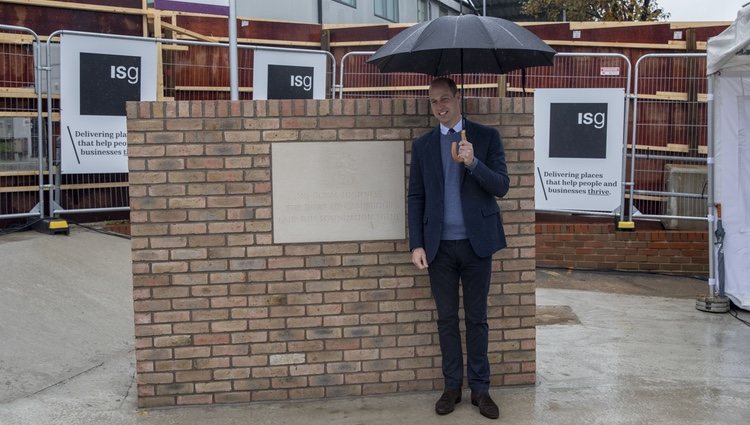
(595, 10)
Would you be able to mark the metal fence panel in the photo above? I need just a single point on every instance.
(189, 70)
(21, 153)
(669, 139)
(570, 70)
(77, 193)
(582, 71)
(359, 79)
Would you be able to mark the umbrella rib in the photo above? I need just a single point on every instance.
(389, 58)
(455, 32)
(407, 39)
(495, 51)
(497, 24)
(414, 32)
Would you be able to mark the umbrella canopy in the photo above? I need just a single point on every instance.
(464, 43)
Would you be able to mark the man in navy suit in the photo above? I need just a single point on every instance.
(454, 228)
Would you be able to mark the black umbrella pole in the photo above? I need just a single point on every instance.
(463, 95)
(454, 149)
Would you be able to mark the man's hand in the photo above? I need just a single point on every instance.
(419, 258)
(466, 152)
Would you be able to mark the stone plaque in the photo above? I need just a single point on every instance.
(338, 191)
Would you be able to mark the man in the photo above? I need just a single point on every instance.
(454, 228)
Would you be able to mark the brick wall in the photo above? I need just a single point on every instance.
(601, 246)
(223, 314)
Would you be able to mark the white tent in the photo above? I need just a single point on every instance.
(729, 74)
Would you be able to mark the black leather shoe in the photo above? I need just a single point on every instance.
(447, 402)
(487, 407)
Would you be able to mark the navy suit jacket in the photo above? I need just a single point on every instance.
(479, 189)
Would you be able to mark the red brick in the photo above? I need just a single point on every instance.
(342, 306)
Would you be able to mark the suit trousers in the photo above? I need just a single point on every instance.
(456, 261)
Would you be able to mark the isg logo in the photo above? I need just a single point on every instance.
(290, 82)
(129, 73)
(303, 81)
(578, 130)
(107, 82)
(589, 118)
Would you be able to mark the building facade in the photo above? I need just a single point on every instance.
(351, 11)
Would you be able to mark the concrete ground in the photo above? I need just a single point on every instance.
(613, 348)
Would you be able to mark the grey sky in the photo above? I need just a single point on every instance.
(702, 10)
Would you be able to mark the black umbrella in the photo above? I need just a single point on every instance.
(463, 43)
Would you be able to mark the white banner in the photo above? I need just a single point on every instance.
(578, 148)
(97, 76)
(289, 75)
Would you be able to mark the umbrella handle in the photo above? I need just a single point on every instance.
(454, 147)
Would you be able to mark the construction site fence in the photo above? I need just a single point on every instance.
(665, 139)
(31, 181)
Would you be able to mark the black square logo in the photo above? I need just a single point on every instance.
(290, 82)
(578, 130)
(107, 82)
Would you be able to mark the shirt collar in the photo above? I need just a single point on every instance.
(457, 128)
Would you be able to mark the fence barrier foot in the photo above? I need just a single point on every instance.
(52, 226)
(625, 225)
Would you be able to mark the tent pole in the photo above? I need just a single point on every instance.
(715, 302)
(711, 183)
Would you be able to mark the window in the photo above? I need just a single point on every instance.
(352, 3)
(423, 11)
(387, 9)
